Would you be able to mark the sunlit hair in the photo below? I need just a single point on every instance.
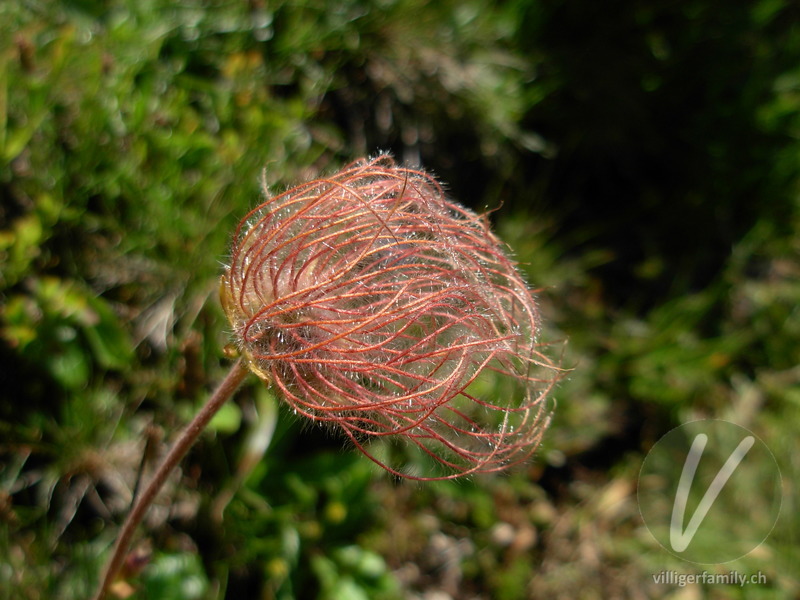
(370, 301)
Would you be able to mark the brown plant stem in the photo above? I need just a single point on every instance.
(187, 438)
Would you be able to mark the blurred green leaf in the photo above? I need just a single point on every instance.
(109, 341)
(227, 420)
(175, 577)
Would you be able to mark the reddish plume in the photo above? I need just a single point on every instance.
(371, 302)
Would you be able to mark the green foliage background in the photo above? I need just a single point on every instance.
(644, 158)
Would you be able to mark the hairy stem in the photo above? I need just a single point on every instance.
(187, 438)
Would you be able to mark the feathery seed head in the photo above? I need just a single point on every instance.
(372, 302)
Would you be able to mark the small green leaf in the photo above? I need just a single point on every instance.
(227, 420)
(110, 343)
(70, 366)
